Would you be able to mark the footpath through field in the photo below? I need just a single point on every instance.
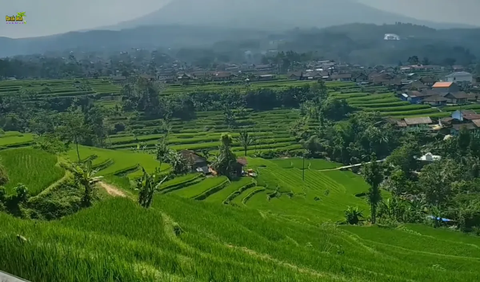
(5, 277)
(348, 166)
(112, 190)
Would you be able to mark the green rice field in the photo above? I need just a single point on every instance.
(281, 228)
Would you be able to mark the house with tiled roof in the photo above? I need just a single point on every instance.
(445, 88)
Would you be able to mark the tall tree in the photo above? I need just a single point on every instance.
(373, 175)
(226, 160)
(73, 129)
(161, 151)
(84, 176)
(245, 140)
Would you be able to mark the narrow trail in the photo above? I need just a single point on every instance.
(112, 190)
(347, 166)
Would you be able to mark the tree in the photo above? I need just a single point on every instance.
(425, 61)
(161, 151)
(73, 129)
(179, 164)
(373, 175)
(84, 176)
(3, 175)
(147, 185)
(413, 60)
(404, 158)
(449, 61)
(225, 164)
(245, 140)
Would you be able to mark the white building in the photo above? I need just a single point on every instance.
(461, 76)
(428, 157)
(391, 36)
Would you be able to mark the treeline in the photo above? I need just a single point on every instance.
(144, 96)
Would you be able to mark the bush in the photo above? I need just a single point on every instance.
(3, 176)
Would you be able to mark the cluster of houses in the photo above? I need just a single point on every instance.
(448, 91)
(451, 125)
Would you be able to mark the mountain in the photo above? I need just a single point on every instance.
(167, 36)
(271, 14)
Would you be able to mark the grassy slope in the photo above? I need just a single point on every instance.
(224, 243)
(33, 168)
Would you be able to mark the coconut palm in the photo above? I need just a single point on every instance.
(84, 176)
(245, 140)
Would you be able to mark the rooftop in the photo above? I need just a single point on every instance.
(442, 84)
(418, 120)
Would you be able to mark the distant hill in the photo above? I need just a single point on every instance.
(271, 14)
(168, 36)
(358, 42)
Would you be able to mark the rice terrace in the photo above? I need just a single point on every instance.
(237, 176)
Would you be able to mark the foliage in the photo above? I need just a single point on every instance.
(3, 174)
(178, 162)
(50, 143)
(353, 215)
(245, 140)
(84, 176)
(226, 162)
(147, 185)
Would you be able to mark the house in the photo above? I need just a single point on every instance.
(457, 98)
(239, 166)
(414, 97)
(196, 162)
(465, 115)
(435, 100)
(341, 77)
(223, 76)
(415, 85)
(361, 77)
(428, 80)
(429, 157)
(417, 121)
(185, 77)
(459, 77)
(264, 77)
(457, 127)
(296, 76)
(445, 87)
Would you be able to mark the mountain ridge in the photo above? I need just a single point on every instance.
(272, 14)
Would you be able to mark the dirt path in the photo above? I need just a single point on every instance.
(112, 190)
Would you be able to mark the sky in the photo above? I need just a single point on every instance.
(45, 17)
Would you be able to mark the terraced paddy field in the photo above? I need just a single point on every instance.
(106, 93)
(33, 168)
(12, 139)
(255, 237)
(387, 104)
(119, 163)
(270, 130)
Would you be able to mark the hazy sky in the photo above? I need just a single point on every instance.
(46, 17)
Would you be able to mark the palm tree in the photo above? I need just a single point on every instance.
(147, 185)
(245, 140)
(353, 215)
(84, 175)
